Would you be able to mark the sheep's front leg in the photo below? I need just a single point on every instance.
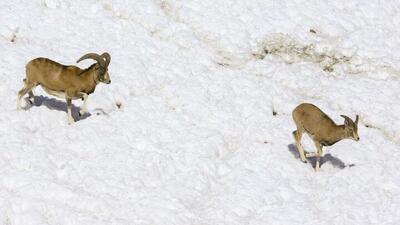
(84, 106)
(31, 97)
(69, 104)
(319, 153)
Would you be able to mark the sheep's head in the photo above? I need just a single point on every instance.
(351, 128)
(101, 66)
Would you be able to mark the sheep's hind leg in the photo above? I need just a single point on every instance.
(297, 134)
(27, 88)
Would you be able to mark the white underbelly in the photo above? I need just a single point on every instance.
(60, 94)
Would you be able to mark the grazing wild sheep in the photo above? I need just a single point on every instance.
(322, 130)
(68, 82)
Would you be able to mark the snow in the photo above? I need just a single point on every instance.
(185, 133)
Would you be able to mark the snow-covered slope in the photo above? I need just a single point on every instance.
(204, 131)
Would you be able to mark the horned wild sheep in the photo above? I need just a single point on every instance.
(68, 82)
(322, 130)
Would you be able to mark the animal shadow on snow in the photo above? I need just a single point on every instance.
(54, 104)
(336, 162)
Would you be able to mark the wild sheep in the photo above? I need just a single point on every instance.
(68, 82)
(322, 130)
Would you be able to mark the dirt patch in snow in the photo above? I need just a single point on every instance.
(292, 51)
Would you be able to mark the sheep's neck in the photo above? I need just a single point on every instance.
(90, 79)
(335, 136)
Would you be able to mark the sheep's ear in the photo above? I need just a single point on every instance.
(356, 122)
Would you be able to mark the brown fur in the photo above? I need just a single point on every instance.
(323, 131)
(61, 80)
(58, 77)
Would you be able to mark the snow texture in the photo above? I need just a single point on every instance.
(196, 126)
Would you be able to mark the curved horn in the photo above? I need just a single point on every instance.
(347, 119)
(94, 56)
(107, 58)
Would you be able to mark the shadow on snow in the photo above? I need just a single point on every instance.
(54, 104)
(336, 162)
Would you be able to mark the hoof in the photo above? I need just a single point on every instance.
(303, 160)
(70, 121)
(82, 112)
